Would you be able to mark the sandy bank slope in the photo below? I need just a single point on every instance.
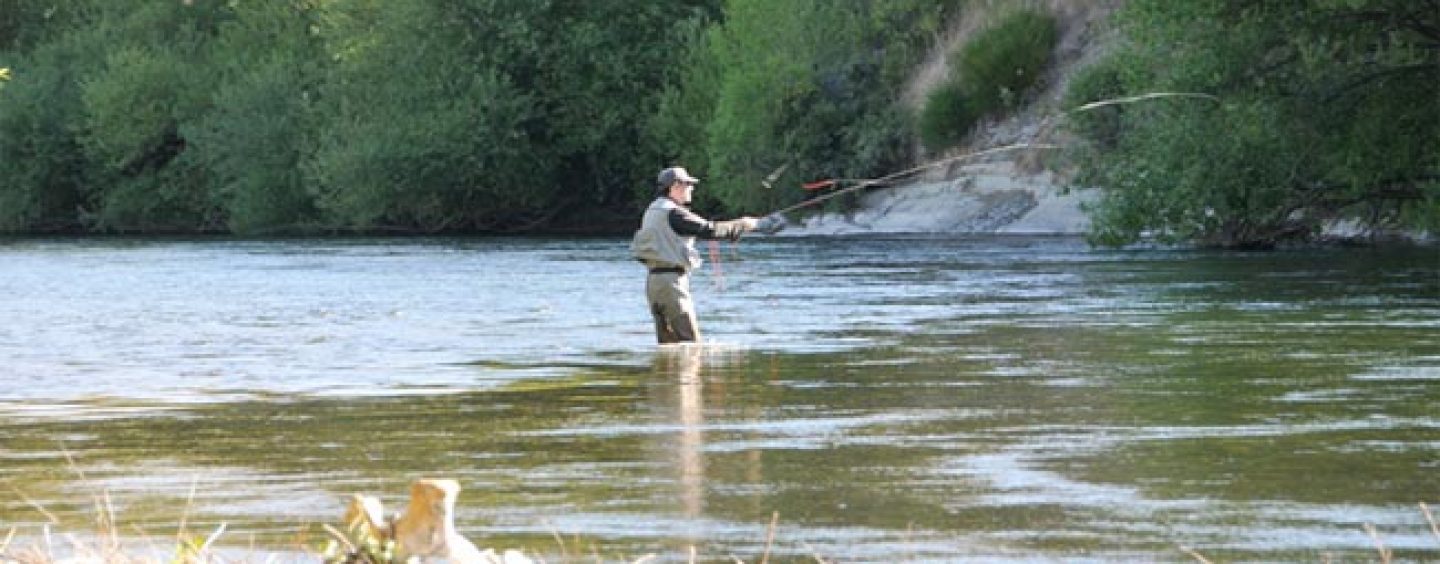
(981, 198)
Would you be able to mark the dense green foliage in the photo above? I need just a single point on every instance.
(447, 115)
(501, 115)
(947, 116)
(807, 85)
(260, 128)
(491, 114)
(990, 73)
(998, 65)
(1327, 109)
(252, 117)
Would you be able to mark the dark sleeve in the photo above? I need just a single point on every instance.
(686, 222)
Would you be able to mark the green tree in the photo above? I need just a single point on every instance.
(804, 84)
(117, 80)
(599, 84)
(43, 172)
(133, 111)
(136, 115)
(28, 23)
(684, 109)
(154, 80)
(1328, 111)
(260, 130)
(491, 114)
(425, 133)
(44, 175)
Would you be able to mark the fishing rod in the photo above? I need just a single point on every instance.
(1045, 127)
(889, 178)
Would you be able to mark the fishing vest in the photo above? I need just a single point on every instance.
(659, 246)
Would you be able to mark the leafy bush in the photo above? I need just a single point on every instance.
(1002, 62)
(490, 114)
(678, 127)
(134, 108)
(946, 116)
(1101, 81)
(115, 81)
(28, 23)
(43, 173)
(424, 135)
(1326, 113)
(130, 107)
(260, 131)
(1238, 154)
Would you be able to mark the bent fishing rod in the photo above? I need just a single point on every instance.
(889, 178)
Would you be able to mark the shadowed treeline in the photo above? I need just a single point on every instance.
(146, 116)
(459, 116)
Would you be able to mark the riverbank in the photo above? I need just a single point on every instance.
(989, 198)
(1021, 192)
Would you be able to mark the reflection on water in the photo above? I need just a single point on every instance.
(684, 363)
(912, 400)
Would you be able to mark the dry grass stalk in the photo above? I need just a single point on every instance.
(185, 513)
(1434, 529)
(210, 540)
(105, 517)
(559, 540)
(36, 506)
(339, 537)
(1196, 555)
(107, 545)
(770, 537)
(816, 554)
(906, 541)
(1385, 553)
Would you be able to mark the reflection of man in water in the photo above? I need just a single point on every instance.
(684, 363)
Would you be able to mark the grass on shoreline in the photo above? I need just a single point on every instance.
(108, 545)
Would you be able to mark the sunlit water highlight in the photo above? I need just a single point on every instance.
(894, 399)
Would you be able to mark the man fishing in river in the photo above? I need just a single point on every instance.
(665, 244)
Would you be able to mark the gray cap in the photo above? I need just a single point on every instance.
(672, 175)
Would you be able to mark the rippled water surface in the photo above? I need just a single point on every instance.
(892, 400)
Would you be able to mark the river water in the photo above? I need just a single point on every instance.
(902, 399)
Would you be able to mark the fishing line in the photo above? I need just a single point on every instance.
(1046, 126)
(715, 265)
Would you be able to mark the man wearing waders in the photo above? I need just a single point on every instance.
(665, 244)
